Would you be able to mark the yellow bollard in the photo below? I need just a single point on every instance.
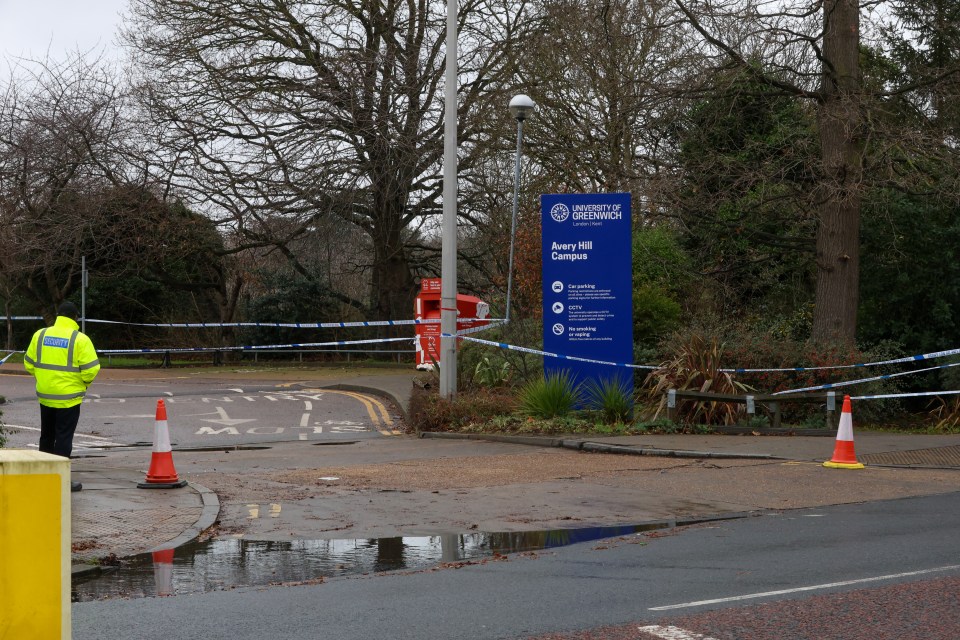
(34, 545)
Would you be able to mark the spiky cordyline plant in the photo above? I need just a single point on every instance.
(696, 367)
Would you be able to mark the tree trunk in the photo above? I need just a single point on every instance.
(7, 310)
(838, 231)
(393, 289)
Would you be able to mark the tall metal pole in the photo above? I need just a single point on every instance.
(83, 294)
(448, 257)
(521, 107)
(513, 222)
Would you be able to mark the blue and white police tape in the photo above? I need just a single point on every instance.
(283, 325)
(926, 356)
(848, 383)
(296, 345)
(493, 324)
(291, 325)
(548, 354)
(917, 394)
(302, 345)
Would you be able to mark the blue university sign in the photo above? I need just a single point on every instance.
(587, 283)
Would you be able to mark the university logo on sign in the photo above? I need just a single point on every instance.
(559, 212)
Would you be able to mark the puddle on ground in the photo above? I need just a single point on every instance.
(217, 565)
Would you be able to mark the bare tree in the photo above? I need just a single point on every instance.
(60, 172)
(73, 184)
(311, 110)
(603, 73)
(600, 74)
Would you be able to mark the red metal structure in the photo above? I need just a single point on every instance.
(427, 307)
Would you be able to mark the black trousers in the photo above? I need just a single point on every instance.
(56, 429)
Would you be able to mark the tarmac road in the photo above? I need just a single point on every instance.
(798, 561)
(380, 487)
(120, 410)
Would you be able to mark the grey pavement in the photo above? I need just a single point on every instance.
(113, 518)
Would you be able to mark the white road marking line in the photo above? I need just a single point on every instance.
(101, 383)
(307, 405)
(673, 633)
(305, 420)
(75, 435)
(92, 437)
(817, 587)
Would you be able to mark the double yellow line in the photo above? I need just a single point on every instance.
(382, 422)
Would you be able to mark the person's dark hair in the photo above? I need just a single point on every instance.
(68, 309)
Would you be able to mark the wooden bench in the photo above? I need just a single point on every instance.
(769, 403)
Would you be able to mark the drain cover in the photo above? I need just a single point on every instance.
(939, 457)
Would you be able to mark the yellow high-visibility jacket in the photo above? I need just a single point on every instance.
(64, 363)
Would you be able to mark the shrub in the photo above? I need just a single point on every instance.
(492, 371)
(611, 397)
(429, 412)
(549, 396)
(696, 366)
(755, 350)
(946, 412)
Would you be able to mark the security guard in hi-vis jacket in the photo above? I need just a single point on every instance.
(64, 363)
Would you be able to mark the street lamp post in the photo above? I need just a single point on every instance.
(521, 107)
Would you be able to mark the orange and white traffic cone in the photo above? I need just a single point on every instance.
(162, 474)
(163, 571)
(844, 456)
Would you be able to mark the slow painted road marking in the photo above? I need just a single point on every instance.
(673, 633)
(227, 420)
(816, 587)
(254, 511)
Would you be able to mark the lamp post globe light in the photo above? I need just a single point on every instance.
(521, 107)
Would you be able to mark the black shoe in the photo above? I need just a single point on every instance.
(75, 486)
